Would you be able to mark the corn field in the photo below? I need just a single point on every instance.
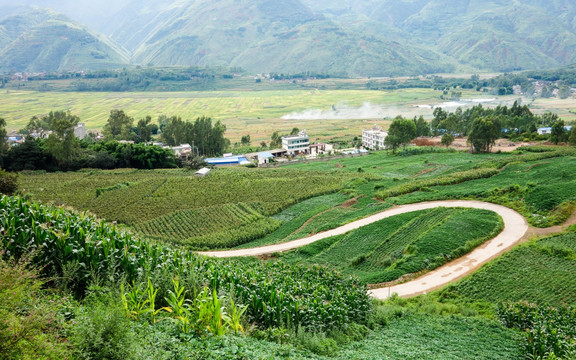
(275, 294)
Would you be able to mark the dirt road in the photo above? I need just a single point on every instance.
(515, 226)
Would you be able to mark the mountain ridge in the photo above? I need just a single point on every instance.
(353, 37)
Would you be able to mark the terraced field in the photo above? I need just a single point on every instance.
(228, 208)
(541, 272)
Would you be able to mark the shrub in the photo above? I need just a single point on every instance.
(102, 332)
(451, 179)
(8, 183)
(30, 327)
(550, 332)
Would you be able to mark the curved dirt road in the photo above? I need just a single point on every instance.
(515, 226)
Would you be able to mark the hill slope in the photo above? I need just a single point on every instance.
(268, 36)
(43, 40)
(355, 37)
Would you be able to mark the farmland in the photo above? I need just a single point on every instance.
(405, 244)
(156, 202)
(540, 272)
(257, 113)
(165, 210)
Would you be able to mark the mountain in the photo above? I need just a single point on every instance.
(500, 35)
(44, 40)
(355, 37)
(268, 36)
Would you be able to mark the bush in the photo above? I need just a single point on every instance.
(550, 332)
(101, 331)
(8, 183)
(30, 327)
(451, 179)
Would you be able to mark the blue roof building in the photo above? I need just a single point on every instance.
(232, 160)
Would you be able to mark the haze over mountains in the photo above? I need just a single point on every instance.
(353, 37)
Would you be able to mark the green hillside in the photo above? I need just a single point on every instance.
(272, 36)
(43, 40)
(351, 37)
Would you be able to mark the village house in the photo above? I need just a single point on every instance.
(373, 139)
(297, 144)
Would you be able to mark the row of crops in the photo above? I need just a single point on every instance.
(66, 244)
(402, 244)
(540, 272)
(228, 208)
(226, 225)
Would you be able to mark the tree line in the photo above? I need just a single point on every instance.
(481, 125)
(55, 147)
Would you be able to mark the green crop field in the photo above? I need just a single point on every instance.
(227, 208)
(403, 244)
(541, 272)
(241, 207)
(245, 111)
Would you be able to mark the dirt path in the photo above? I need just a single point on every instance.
(515, 228)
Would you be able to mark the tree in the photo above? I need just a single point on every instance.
(484, 133)
(558, 133)
(263, 144)
(208, 138)
(572, 137)
(294, 131)
(439, 116)
(144, 129)
(3, 142)
(119, 125)
(27, 156)
(276, 139)
(401, 132)
(447, 139)
(62, 144)
(245, 140)
(563, 92)
(8, 183)
(422, 127)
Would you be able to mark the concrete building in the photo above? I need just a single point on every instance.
(230, 160)
(182, 150)
(296, 144)
(373, 139)
(321, 148)
(548, 130)
(80, 130)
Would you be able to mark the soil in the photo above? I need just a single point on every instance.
(502, 145)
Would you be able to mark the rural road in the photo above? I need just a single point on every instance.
(515, 226)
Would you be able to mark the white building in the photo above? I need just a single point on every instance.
(373, 139)
(296, 144)
(202, 172)
(548, 130)
(182, 150)
(80, 130)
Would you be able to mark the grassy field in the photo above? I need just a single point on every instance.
(231, 205)
(541, 272)
(258, 113)
(404, 244)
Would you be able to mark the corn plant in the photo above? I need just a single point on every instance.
(133, 301)
(151, 293)
(180, 308)
(235, 317)
(275, 294)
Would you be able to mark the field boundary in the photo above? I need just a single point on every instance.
(515, 227)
